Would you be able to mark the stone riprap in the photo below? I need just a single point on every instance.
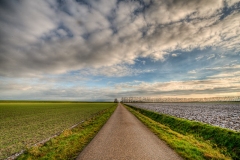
(225, 115)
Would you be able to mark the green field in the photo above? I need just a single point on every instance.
(71, 142)
(23, 124)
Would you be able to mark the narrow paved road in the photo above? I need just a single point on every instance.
(124, 137)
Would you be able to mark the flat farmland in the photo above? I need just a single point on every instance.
(222, 114)
(23, 124)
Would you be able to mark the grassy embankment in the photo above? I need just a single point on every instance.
(191, 139)
(23, 124)
(71, 142)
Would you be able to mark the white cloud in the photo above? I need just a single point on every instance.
(213, 87)
(237, 66)
(27, 23)
(49, 88)
(231, 2)
(199, 58)
(105, 34)
(210, 56)
(162, 12)
(226, 74)
(104, 6)
(192, 72)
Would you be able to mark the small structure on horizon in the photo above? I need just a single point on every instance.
(115, 100)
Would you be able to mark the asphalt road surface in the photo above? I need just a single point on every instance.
(124, 137)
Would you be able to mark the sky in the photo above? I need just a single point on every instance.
(101, 50)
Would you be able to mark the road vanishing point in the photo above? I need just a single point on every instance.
(124, 137)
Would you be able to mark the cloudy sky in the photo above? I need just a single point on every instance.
(102, 49)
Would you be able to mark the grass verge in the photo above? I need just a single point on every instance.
(190, 143)
(71, 142)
